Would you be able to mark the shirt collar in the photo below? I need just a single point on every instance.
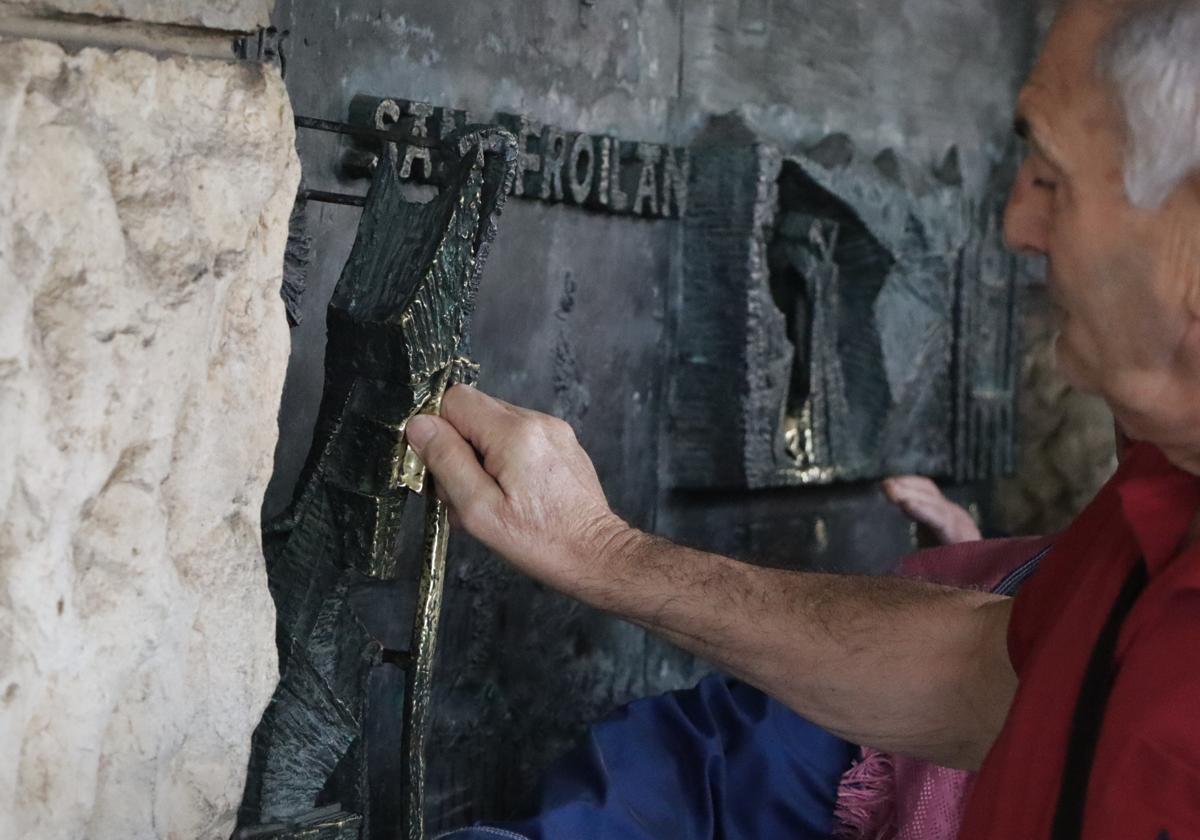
(1158, 500)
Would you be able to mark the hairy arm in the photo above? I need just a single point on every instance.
(894, 664)
(898, 665)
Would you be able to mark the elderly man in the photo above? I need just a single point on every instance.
(1077, 699)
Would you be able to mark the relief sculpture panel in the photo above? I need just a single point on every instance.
(397, 338)
(860, 312)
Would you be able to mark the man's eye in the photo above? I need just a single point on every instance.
(1045, 184)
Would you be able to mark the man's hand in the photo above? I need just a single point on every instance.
(898, 665)
(923, 502)
(520, 483)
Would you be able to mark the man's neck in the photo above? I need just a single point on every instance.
(1185, 458)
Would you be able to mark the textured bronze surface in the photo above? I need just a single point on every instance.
(420, 674)
(322, 824)
(419, 679)
(851, 318)
(555, 165)
(397, 338)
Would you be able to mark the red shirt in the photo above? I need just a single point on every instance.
(1145, 782)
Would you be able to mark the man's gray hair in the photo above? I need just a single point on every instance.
(1153, 60)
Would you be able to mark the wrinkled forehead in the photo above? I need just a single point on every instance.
(1068, 58)
(1065, 81)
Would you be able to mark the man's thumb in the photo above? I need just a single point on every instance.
(420, 430)
(463, 482)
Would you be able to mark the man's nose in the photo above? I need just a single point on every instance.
(1027, 218)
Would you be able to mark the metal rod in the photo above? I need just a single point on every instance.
(418, 695)
(362, 131)
(333, 198)
(420, 674)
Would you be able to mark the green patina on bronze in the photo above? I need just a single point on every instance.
(397, 338)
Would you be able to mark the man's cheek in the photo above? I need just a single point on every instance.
(1077, 357)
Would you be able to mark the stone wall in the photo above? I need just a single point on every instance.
(1065, 439)
(143, 214)
(231, 15)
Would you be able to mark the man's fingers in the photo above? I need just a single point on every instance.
(477, 416)
(897, 487)
(918, 498)
(908, 489)
(460, 478)
(910, 484)
(926, 514)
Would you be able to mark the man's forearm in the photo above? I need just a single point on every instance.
(890, 663)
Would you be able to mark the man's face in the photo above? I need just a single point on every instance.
(1122, 280)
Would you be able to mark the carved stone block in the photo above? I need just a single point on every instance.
(143, 347)
(232, 15)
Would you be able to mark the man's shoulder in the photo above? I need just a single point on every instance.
(1150, 750)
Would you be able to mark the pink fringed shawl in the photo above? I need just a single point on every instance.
(886, 797)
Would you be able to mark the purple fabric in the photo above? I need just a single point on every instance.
(884, 797)
(866, 798)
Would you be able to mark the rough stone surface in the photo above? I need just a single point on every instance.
(236, 15)
(143, 344)
(1065, 438)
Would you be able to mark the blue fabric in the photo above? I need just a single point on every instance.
(721, 761)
